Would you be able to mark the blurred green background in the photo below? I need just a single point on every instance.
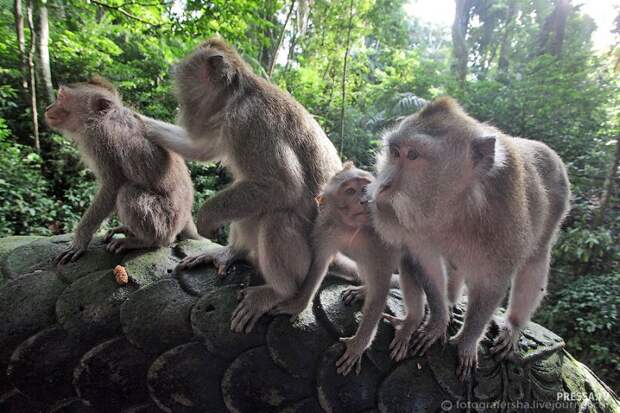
(540, 69)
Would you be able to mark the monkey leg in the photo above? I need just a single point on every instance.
(121, 229)
(483, 300)
(284, 258)
(456, 281)
(413, 295)
(431, 275)
(189, 231)
(345, 267)
(528, 289)
(152, 218)
(353, 294)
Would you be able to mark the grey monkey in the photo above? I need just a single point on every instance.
(278, 156)
(149, 187)
(451, 189)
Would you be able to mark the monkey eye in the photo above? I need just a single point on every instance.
(350, 191)
(412, 155)
(394, 152)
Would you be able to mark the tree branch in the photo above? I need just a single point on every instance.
(125, 13)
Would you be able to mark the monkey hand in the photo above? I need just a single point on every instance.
(207, 227)
(352, 356)
(403, 330)
(426, 335)
(354, 294)
(71, 254)
(293, 306)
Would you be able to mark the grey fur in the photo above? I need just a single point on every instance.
(279, 158)
(148, 186)
(489, 203)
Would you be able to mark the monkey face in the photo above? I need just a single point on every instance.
(57, 114)
(351, 202)
(75, 104)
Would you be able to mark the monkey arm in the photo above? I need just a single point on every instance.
(378, 282)
(241, 200)
(101, 207)
(173, 138)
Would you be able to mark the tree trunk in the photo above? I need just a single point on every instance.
(21, 46)
(459, 43)
(551, 37)
(502, 65)
(33, 82)
(344, 78)
(608, 187)
(274, 55)
(44, 51)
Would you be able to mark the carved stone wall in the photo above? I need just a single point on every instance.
(73, 340)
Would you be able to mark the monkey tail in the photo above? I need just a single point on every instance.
(189, 231)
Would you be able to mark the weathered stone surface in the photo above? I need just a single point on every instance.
(211, 321)
(36, 255)
(27, 306)
(253, 383)
(351, 393)
(72, 405)
(112, 376)
(310, 405)
(7, 245)
(90, 307)
(14, 401)
(411, 388)
(96, 258)
(280, 367)
(147, 267)
(156, 318)
(42, 366)
(187, 379)
(298, 346)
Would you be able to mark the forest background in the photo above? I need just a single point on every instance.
(527, 66)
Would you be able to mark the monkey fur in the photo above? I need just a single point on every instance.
(149, 187)
(452, 189)
(278, 156)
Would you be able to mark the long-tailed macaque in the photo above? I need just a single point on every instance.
(149, 187)
(450, 188)
(279, 158)
(343, 225)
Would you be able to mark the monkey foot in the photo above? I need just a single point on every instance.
(506, 340)
(353, 294)
(468, 360)
(352, 357)
(293, 306)
(69, 255)
(221, 258)
(403, 330)
(427, 334)
(122, 229)
(120, 245)
(255, 301)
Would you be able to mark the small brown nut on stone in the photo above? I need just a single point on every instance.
(120, 273)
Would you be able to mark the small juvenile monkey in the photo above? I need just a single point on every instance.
(343, 225)
(149, 187)
(451, 189)
(279, 158)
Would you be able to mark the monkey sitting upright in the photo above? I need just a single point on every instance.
(451, 189)
(149, 187)
(343, 225)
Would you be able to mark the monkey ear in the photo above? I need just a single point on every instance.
(101, 104)
(347, 165)
(483, 152)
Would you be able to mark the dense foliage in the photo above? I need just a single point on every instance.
(360, 65)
